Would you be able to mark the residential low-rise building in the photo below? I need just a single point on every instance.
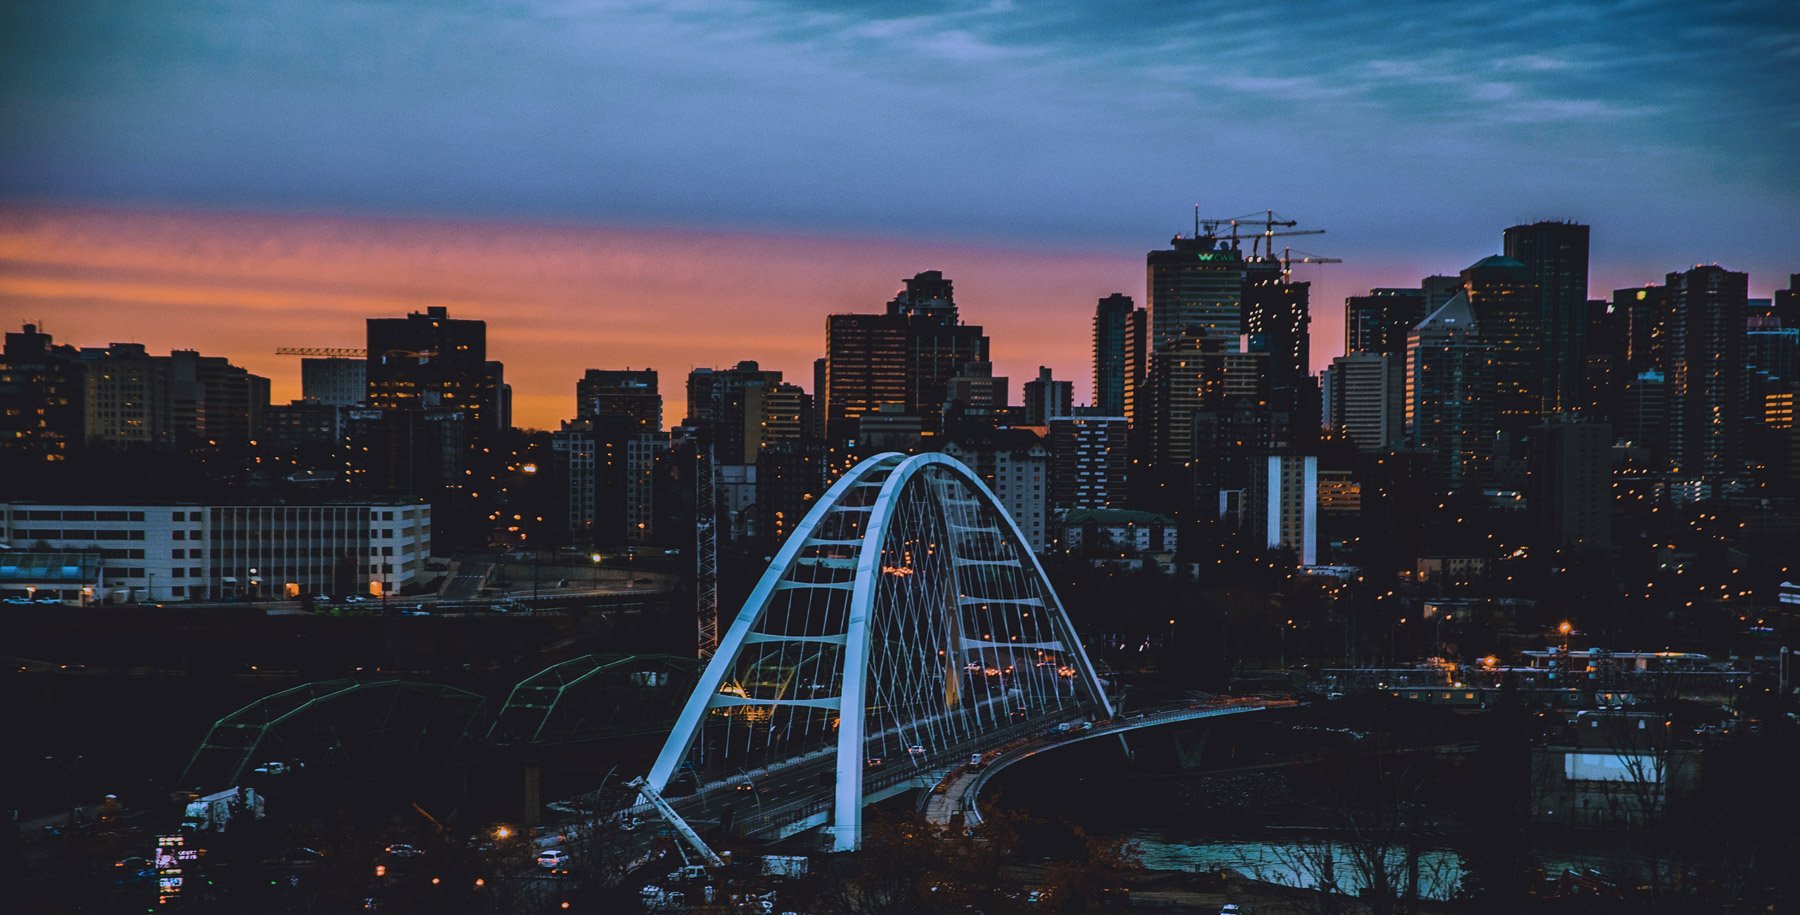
(1097, 531)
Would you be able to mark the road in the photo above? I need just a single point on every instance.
(959, 790)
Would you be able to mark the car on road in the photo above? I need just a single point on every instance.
(744, 786)
(874, 762)
(402, 850)
(915, 750)
(642, 581)
(271, 768)
(553, 859)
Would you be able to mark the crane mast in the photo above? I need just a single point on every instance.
(706, 553)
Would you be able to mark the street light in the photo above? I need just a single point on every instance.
(596, 559)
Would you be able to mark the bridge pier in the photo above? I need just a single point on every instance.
(1190, 747)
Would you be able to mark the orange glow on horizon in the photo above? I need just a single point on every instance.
(557, 299)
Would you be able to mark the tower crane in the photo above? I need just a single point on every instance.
(706, 551)
(333, 352)
(1288, 261)
(1263, 239)
(346, 352)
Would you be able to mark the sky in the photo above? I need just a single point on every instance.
(687, 184)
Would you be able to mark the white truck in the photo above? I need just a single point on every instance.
(212, 812)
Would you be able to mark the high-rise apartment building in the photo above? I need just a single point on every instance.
(631, 393)
(1290, 500)
(1016, 466)
(1118, 353)
(127, 398)
(1379, 322)
(1363, 402)
(1607, 337)
(335, 381)
(43, 394)
(1045, 397)
(1277, 321)
(1704, 371)
(777, 415)
(211, 400)
(1089, 462)
(1646, 313)
(430, 361)
(731, 405)
(1556, 256)
(591, 467)
(1449, 408)
(1503, 298)
(1196, 372)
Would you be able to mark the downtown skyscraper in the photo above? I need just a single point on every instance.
(1503, 300)
(1119, 354)
(903, 359)
(1704, 371)
(1449, 393)
(1555, 254)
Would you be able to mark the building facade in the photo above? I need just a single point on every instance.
(1090, 462)
(1556, 256)
(631, 393)
(1364, 399)
(1704, 371)
(1118, 353)
(336, 381)
(226, 552)
(43, 395)
(1449, 393)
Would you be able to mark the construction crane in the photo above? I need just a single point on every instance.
(1264, 239)
(332, 352)
(337, 352)
(1288, 261)
(706, 552)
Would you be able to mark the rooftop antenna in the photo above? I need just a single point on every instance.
(1196, 220)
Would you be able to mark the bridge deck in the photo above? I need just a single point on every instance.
(958, 791)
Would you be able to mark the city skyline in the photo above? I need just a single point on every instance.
(561, 299)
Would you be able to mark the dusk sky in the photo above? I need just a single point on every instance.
(688, 184)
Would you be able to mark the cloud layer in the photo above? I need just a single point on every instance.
(1069, 124)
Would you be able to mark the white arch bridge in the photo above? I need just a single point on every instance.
(904, 626)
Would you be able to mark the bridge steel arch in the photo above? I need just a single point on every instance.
(337, 722)
(899, 615)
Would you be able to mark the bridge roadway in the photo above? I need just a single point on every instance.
(958, 790)
(795, 795)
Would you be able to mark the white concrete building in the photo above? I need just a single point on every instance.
(223, 552)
